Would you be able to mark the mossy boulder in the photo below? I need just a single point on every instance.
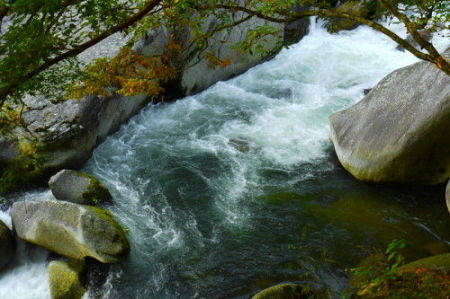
(72, 230)
(288, 291)
(65, 279)
(447, 196)
(78, 187)
(424, 278)
(7, 245)
(399, 131)
(436, 262)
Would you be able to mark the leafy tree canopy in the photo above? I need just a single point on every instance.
(40, 39)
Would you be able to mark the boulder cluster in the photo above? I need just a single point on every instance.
(71, 226)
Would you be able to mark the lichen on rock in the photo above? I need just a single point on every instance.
(65, 279)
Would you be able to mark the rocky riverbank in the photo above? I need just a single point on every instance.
(77, 233)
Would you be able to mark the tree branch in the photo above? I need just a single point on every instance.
(433, 56)
(410, 27)
(79, 49)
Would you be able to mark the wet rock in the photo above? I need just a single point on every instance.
(65, 279)
(296, 30)
(399, 131)
(78, 187)
(365, 9)
(7, 245)
(427, 35)
(61, 135)
(288, 291)
(240, 145)
(447, 196)
(372, 216)
(71, 230)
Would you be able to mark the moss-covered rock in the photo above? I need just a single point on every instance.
(72, 230)
(288, 291)
(7, 245)
(424, 278)
(78, 187)
(65, 279)
(436, 262)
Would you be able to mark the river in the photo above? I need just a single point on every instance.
(237, 188)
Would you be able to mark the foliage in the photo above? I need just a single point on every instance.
(40, 40)
(128, 73)
(382, 277)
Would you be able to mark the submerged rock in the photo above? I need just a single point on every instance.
(65, 279)
(288, 291)
(78, 187)
(71, 230)
(241, 145)
(371, 216)
(399, 131)
(7, 245)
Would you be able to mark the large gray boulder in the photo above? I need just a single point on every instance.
(71, 230)
(400, 131)
(60, 135)
(78, 187)
(7, 245)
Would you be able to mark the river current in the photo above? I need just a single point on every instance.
(237, 188)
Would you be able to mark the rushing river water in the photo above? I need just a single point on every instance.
(237, 188)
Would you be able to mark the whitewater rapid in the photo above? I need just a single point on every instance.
(186, 176)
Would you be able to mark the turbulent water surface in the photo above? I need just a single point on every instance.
(237, 188)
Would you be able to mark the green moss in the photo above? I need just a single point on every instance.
(384, 275)
(65, 279)
(436, 262)
(288, 291)
(97, 193)
(20, 174)
(106, 215)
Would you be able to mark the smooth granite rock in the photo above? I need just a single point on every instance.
(400, 131)
(78, 187)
